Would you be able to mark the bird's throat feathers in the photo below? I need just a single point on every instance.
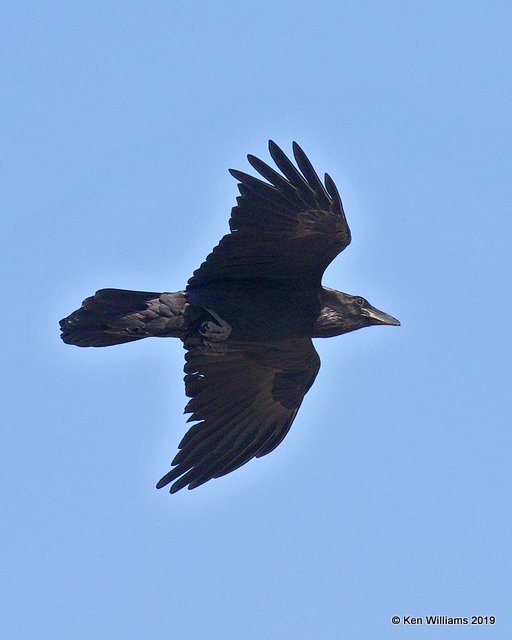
(332, 323)
(335, 316)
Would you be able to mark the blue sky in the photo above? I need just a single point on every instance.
(391, 494)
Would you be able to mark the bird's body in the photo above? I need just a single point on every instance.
(246, 318)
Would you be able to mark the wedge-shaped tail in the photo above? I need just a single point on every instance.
(114, 316)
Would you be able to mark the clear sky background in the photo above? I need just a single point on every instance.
(391, 494)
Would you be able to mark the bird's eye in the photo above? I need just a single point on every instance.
(360, 301)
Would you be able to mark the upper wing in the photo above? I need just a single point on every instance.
(244, 401)
(291, 228)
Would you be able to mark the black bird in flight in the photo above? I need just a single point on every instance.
(246, 317)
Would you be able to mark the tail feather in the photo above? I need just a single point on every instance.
(115, 316)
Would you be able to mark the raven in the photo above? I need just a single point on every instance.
(246, 317)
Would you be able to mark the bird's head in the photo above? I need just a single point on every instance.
(341, 313)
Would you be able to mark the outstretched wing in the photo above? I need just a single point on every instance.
(290, 229)
(244, 401)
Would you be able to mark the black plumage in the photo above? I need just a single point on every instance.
(246, 317)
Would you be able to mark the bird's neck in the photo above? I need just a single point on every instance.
(331, 323)
(334, 318)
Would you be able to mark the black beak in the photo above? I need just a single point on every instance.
(379, 317)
